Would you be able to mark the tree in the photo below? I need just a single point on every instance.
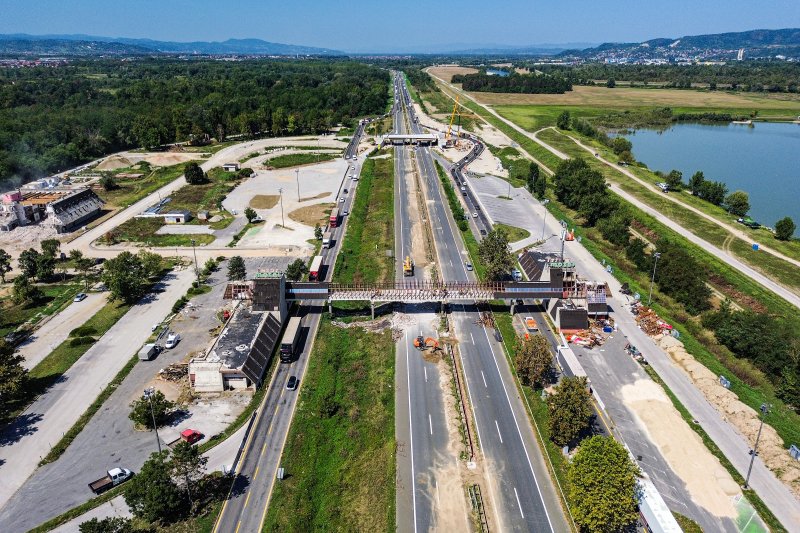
(713, 192)
(570, 410)
(296, 270)
(84, 266)
(108, 183)
(540, 187)
(110, 524)
(738, 203)
(318, 232)
(5, 264)
(45, 266)
(24, 292)
(621, 144)
(29, 262)
(603, 486)
(125, 277)
(50, 247)
(188, 465)
(563, 120)
(533, 360)
(696, 182)
(152, 263)
(611, 83)
(495, 253)
(152, 495)
(161, 409)
(250, 213)
(13, 378)
(674, 179)
(236, 268)
(194, 174)
(533, 175)
(784, 229)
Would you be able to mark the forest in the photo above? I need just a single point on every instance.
(514, 83)
(52, 119)
(748, 76)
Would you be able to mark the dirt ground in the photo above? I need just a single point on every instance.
(707, 481)
(312, 214)
(418, 246)
(113, 163)
(743, 418)
(447, 72)
(264, 201)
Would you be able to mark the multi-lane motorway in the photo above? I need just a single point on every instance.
(246, 506)
(520, 490)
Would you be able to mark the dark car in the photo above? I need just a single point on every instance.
(483, 232)
(292, 383)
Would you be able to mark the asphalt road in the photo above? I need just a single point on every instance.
(520, 488)
(247, 504)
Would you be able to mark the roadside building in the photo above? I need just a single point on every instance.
(64, 209)
(230, 167)
(74, 210)
(179, 216)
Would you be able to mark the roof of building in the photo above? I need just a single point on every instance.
(233, 344)
(177, 212)
(70, 201)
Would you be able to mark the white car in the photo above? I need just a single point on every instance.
(345, 212)
(475, 215)
(172, 340)
(341, 200)
(81, 296)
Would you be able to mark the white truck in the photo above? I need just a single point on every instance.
(113, 477)
(326, 239)
(147, 352)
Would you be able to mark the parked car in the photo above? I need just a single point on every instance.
(292, 383)
(81, 296)
(172, 340)
(191, 435)
(257, 220)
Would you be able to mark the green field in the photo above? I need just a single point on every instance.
(293, 160)
(131, 191)
(370, 227)
(514, 233)
(56, 296)
(340, 452)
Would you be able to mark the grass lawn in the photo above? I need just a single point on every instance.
(514, 233)
(370, 227)
(293, 160)
(340, 452)
(131, 191)
(56, 296)
(143, 230)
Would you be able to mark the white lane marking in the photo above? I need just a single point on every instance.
(498, 431)
(519, 431)
(518, 503)
(430, 423)
(451, 262)
(484, 380)
(471, 337)
(411, 440)
(438, 501)
(426, 373)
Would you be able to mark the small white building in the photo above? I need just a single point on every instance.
(179, 216)
(230, 167)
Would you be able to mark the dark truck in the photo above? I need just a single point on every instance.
(113, 477)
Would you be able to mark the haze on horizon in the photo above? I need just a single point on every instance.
(363, 26)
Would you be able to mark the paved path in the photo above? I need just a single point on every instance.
(57, 328)
(31, 436)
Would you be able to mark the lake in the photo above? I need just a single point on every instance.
(763, 161)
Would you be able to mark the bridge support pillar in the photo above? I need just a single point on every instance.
(512, 307)
(330, 308)
(372, 308)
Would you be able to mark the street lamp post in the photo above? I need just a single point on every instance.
(297, 173)
(544, 203)
(283, 222)
(149, 393)
(754, 451)
(196, 270)
(656, 255)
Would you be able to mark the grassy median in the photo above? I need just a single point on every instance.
(339, 455)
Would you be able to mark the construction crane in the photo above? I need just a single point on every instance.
(452, 119)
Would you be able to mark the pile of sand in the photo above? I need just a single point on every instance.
(741, 416)
(708, 483)
(113, 163)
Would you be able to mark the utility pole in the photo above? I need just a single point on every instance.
(149, 393)
(754, 451)
(196, 270)
(544, 204)
(656, 255)
(297, 173)
(283, 222)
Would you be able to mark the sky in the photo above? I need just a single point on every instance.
(417, 26)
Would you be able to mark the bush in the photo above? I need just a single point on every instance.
(179, 303)
(83, 331)
(81, 341)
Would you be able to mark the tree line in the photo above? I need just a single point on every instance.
(513, 83)
(52, 119)
(748, 76)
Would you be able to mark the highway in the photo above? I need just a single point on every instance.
(520, 489)
(427, 459)
(246, 506)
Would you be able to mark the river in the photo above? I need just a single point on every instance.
(763, 160)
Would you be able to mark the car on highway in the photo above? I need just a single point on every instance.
(341, 200)
(345, 213)
(81, 296)
(468, 265)
(483, 232)
(172, 340)
(346, 191)
(292, 383)
(475, 214)
(463, 188)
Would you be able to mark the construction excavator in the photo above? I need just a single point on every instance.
(426, 343)
(408, 266)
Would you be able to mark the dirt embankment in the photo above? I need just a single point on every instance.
(743, 418)
(264, 201)
(312, 214)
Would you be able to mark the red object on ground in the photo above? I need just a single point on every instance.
(191, 435)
